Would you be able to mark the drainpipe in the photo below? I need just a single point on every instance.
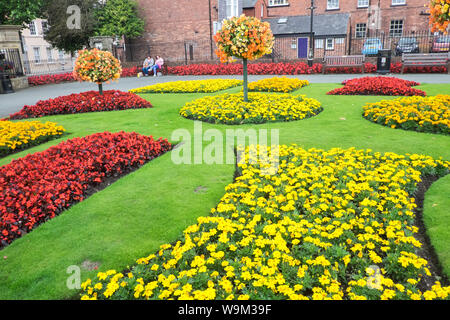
(210, 31)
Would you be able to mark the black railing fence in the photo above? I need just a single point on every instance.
(398, 43)
(10, 62)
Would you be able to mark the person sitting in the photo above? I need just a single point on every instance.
(158, 65)
(148, 64)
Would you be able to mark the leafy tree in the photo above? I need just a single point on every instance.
(67, 30)
(119, 18)
(19, 12)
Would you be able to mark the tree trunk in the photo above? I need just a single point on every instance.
(100, 88)
(245, 81)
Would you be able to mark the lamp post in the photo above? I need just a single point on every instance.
(311, 37)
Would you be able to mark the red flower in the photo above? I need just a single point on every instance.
(90, 101)
(386, 86)
(39, 186)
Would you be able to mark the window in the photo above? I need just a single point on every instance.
(363, 3)
(361, 29)
(216, 26)
(398, 2)
(332, 4)
(37, 54)
(278, 3)
(232, 8)
(318, 43)
(49, 54)
(396, 28)
(340, 40)
(32, 27)
(61, 55)
(44, 26)
(329, 44)
(262, 10)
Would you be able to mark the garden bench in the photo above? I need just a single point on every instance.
(426, 60)
(343, 61)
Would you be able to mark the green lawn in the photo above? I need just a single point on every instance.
(154, 204)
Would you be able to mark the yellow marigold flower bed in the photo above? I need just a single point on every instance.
(423, 114)
(20, 135)
(335, 224)
(190, 86)
(280, 84)
(261, 108)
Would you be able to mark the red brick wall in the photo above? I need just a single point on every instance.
(171, 24)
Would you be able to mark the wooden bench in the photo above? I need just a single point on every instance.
(425, 60)
(343, 61)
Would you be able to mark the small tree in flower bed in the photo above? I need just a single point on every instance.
(96, 66)
(246, 38)
(385, 86)
(39, 186)
(89, 101)
(439, 15)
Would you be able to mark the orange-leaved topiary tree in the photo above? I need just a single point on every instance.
(246, 38)
(96, 66)
(439, 15)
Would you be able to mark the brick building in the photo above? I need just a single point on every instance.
(182, 30)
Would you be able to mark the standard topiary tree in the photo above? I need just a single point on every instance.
(96, 66)
(439, 15)
(246, 38)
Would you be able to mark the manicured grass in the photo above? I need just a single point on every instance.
(154, 204)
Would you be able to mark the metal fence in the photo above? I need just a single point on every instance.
(10, 62)
(404, 42)
(38, 67)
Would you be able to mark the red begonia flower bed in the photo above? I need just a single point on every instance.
(68, 77)
(90, 101)
(386, 86)
(39, 186)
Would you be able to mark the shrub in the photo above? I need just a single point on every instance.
(189, 86)
(335, 224)
(261, 108)
(90, 101)
(39, 186)
(388, 86)
(423, 114)
(21, 135)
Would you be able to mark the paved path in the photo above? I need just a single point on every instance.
(13, 102)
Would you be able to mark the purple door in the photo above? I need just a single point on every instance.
(302, 47)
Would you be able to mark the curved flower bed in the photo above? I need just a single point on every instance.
(335, 224)
(190, 86)
(68, 77)
(39, 186)
(423, 114)
(386, 86)
(280, 84)
(20, 135)
(261, 108)
(90, 101)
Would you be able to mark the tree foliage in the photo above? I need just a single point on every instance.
(119, 18)
(62, 36)
(19, 12)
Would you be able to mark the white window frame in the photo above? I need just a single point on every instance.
(398, 2)
(277, 3)
(332, 44)
(232, 8)
(44, 25)
(357, 32)
(332, 4)
(339, 40)
(33, 28)
(50, 55)
(396, 34)
(363, 3)
(37, 55)
(318, 43)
